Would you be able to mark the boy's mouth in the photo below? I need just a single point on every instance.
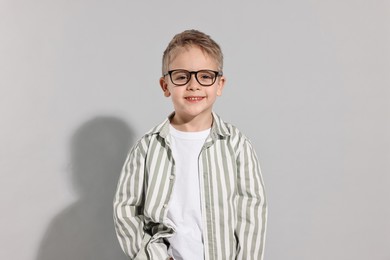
(194, 98)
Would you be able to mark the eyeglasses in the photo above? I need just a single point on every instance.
(205, 78)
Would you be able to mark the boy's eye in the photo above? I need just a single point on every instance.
(180, 76)
(206, 75)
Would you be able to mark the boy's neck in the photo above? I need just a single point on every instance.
(192, 124)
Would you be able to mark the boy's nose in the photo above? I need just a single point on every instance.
(193, 84)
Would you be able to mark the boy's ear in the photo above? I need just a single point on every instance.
(221, 85)
(164, 87)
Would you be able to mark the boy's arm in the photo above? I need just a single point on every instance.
(251, 206)
(128, 208)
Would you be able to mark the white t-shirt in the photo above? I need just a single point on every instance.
(184, 211)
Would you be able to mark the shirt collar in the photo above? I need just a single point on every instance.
(218, 128)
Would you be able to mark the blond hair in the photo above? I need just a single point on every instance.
(191, 38)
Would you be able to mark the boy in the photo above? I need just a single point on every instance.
(191, 188)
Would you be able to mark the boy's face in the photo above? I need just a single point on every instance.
(192, 99)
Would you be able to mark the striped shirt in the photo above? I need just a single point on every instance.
(233, 204)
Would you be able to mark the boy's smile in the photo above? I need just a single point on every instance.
(194, 98)
(193, 103)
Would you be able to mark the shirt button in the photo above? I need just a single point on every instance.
(171, 177)
(165, 206)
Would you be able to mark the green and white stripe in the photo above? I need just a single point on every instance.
(233, 204)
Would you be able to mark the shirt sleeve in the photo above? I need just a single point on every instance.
(128, 208)
(251, 206)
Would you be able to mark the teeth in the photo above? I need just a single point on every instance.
(194, 98)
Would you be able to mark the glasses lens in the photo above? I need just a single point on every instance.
(206, 77)
(180, 77)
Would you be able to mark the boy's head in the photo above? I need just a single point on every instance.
(192, 38)
(192, 74)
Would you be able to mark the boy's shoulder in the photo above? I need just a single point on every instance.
(227, 128)
(161, 129)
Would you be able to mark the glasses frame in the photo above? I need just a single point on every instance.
(217, 74)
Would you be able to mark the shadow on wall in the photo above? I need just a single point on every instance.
(85, 229)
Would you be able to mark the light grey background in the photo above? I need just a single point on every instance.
(307, 81)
